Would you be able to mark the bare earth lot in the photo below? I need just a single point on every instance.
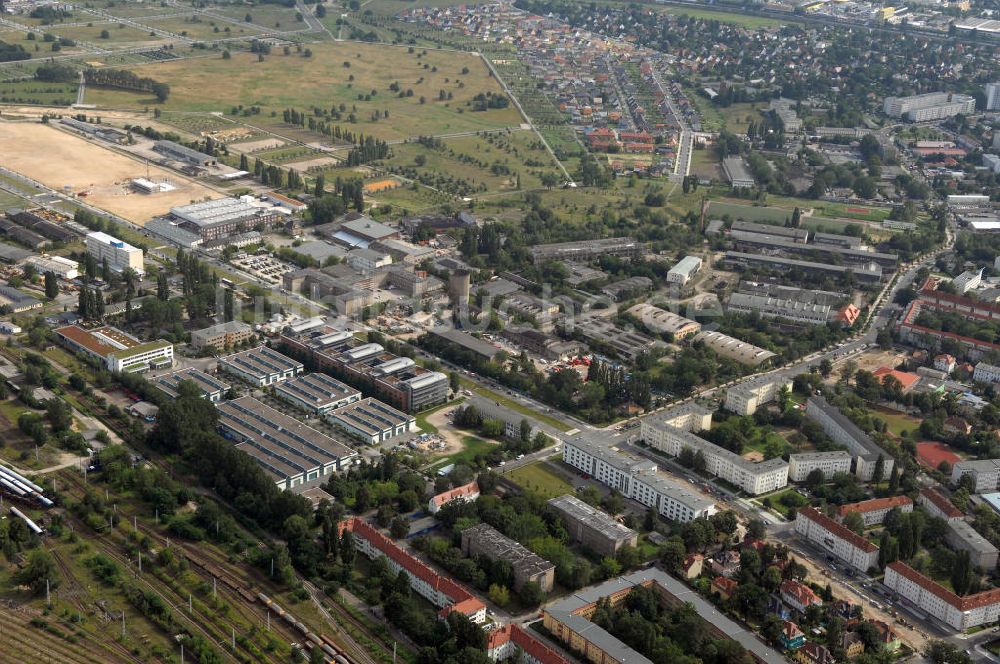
(85, 166)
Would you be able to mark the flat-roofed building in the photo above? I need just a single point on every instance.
(636, 479)
(873, 511)
(737, 173)
(594, 528)
(961, 613)
(734, 349)
(938, 505)
(484, 540)
(754, 478)
(985, 473)
(178, 152)
(746, 397)
(211, 388)
(221, 336)
(847, 545)
(118, 351)
(586, 250)
(963, 537)
(261, 366)
(225, 217)
(832, 252)
(289, 451)
(868, 273)
(685, 268)
(372, 421)
(63, 268)
(662, 321)
(600, 332)
(800, 465)
(18, 301)
(845, 432)
(120, 255)
(466, 341)
(793, 234)
(770, 307)
(316, 393)
(986, 373)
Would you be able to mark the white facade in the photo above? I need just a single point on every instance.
(686, 268)
(6, 327)
(961, 613)
(844, 432)
(846, 545)
(141, 357)
(63, 268)
(873, 512)
(754, 478)
(800, 465)
(120, 255)
(986, 373)
(898, 106)
(985, 472)
(773, 307)
(746, 397)
(993, 96)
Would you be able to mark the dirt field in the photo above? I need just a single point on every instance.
(253, 146)
(85, 166)
(321, 162)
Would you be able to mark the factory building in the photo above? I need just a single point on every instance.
(828, 251)
(439, 590)
(662, 321)
(847, 545)
(211, 388)
(316, 393)
(754, 478)
(398, 381)
(791, 234)
(597, 331)
(734, 349)
(845, 432)
(178, 152)
(118, 351)
(869, 273)
(737, 173)
(289, 451)
(63, 268)
(636, 479)
(372, 421)
(587, 250)
(119, 255)
(746, 397)
(261, 366)
(484, 540)
(684, 270)
(17, 300)
(800, 465)
(593, 528)
(769, 307)
(221, 336)
(225, 217)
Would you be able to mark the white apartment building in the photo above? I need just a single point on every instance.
(636, 479)
(119, 254)
(754, 478)
(961, 613)
(746, 397)
(986, 373)
(800, 465)
(898, 106)
(873, 511)
(845, 432)
(847, 545)
(986, 473)
(938, 504)
(993, 96)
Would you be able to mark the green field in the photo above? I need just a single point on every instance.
(790, 495)
(134, 9)
(119, 34)
(744, 20)
(204, 28)
(272, 17)
(35, 92)
(471, 447)
(897, 423)
(323, 81)
(536, 477)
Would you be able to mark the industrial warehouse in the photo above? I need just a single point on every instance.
(316, 393)
(218, 219)
(211, 388)
(260, 366)
(291, 452)
(372, 421)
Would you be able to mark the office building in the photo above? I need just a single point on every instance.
(754, 478)
(211, 388)
(221, 336)
(847, 545)
(662, 321)
(635, 478)
(372, 421)
(63, 268)
(261, 366)
(938, 505)
(593, 528)
(788, 310)
(568, 620)
(467, 493)
(873, 511)
(800, 465)
(845, 432)
(986, 373)
(118, 351)
(993, 96)
(682, 272)
(439, 590)
(118, 254)
(316, 393)
(961, 536)
(985, 473)
(961, 613)
(734, 349)
(289, 451)
(484, 540)
(746, 397)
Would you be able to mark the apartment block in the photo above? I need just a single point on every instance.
(985, 472)
(961, 613)
(120, 255)
(484, 540)
(938, 505)
(800, 465)
(845, 432)
(961, 536)
(873, 511)
(746, 397)
(221, 336)
(594, 528)
(847, 545)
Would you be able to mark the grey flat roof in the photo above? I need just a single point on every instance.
(466, 340)
(696, 443)
(574, 508)
(370, 415)
(769, 229)
(168, 383)
(820, 456)
(498, 546)
(315, 388)
(260, 361)
(845, 423)
(970, 536)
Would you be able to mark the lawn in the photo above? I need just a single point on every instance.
(744, 20)
(324, 79)
(897, 423)
(36, 92)
(119, 34)
(204, 28)
(783, 501)
(471, 446)
(536, 477)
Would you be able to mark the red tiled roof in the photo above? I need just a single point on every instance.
(840, 531)
(472, 488)
(905, 378)
(941, 502)
(802, 593)
(526, 641)
(462, 599)
(725, 584)
(966, 603)
(790, 630)
(875, 504)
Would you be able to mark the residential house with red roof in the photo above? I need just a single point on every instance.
(906, 379)
(798, 595)
(791, 636)
(886, 636)
(692, 565)
(813, 653)
(468, 492)
(725, 587)
(873, 511)
(507, 641)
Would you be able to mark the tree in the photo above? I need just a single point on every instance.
(879, 470)
(531, 594)
(39, 569)
(51, 285)
(942, 652)
(815, 478)
(825, 365)
(756, 530)
(854, 521)
(888, 550)
(400, 527)
(499, 595)
(961, 573)
(796, 217)
(162, 287)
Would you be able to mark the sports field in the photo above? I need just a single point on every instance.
(324, 80)
(85, 166)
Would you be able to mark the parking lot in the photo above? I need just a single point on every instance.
(266, 268)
